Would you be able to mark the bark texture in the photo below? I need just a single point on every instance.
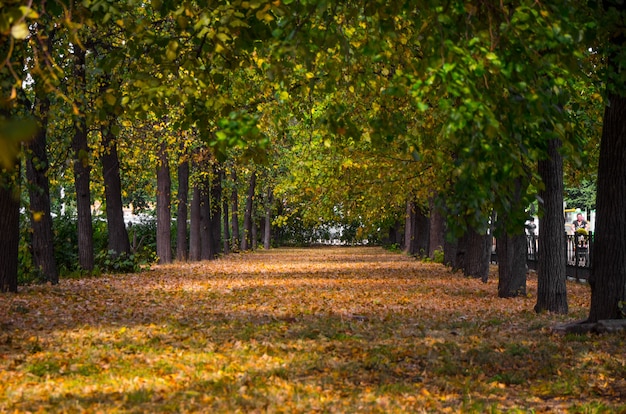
(164, 225)
(195, 246)
(181, 214)
(511, 265)
(234, 198)
(9, 229)
(551, 277)
(117, 233)
(82, 171)
(608, 273)
(39, 195)
(246, 240)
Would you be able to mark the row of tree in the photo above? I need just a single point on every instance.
(377, 112)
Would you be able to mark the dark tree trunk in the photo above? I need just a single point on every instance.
(267, 228)
(226, 224)
(511, 265)
(181, 216)
(512, 248)
(195, 245)
(206, 236)
(117, 234)
(450, 248)
(436, 231)
(551, 277)
(39, 194)
(608, 274)
(477, 254)
(216, 209)
(422, 227)
(82, 171)
(254, 235)
(164, 225)
(234, 197)
(9, 228)
(246, 240)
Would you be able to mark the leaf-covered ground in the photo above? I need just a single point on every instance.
(300, 330)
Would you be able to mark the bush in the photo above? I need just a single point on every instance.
(110, 262)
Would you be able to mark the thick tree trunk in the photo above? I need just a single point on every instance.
(9, 229)
(511, 265)
(608, 274)
(551, 277)
(422, 236)
(181, 215)
(195, 245)
(117, 234)
(477, 254)
(39, 194)
(82, 171)
(164, 225)
(246, 240)
(436, 231)
(234, 197)
(512, 248)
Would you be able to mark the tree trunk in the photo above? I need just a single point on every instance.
(511, 265)
(267, 229)
(422, 236)
(39, 195)
(409, 228)
(9, 228)
(226, 224)
(512, 247)
(551, 264)
(164, 225)
(206, 237)
(234, 197)
(477, 254)
(82, 170)
(608, 272)
(195, 245)
(247, 218)
(436, 231)
(216, 209)
(117, 234)
(181, 216)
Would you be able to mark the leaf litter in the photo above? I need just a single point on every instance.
(336, 329)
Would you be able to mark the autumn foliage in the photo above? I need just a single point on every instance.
(300, 330)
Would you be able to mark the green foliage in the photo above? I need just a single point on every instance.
(111, 262)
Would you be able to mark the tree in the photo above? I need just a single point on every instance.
(82, 165)
(181, 216)
(39, 192)
(248, 219)
(117, 233)
(10, 227)
(551, 287)
(608, 274)
(164, 184)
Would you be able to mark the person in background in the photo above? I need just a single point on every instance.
(579, 223)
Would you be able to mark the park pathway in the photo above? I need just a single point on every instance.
(337, 329)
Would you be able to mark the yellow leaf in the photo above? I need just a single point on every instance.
(20, 31)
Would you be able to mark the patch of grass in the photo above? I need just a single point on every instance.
(47, 367)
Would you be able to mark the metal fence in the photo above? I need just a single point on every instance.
(578, 251)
